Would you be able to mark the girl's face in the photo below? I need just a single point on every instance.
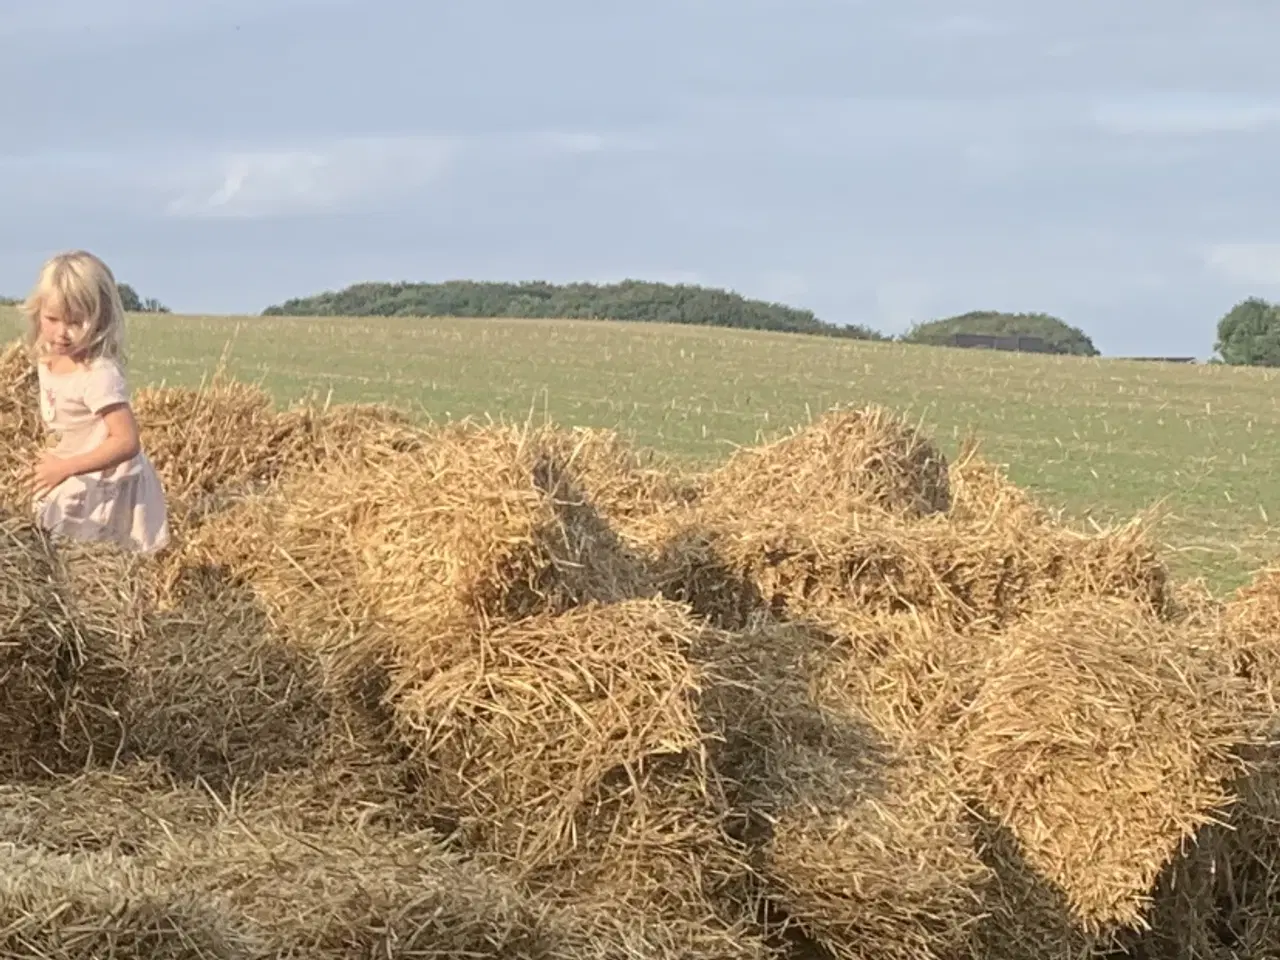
(59, 330)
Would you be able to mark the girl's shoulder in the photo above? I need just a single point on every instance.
(104, 384)
(103, 366)
(98, 368)
(98, 383)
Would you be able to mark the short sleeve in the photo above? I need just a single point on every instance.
(104, 386)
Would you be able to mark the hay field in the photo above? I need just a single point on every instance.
(1103, 438)
(486, 690)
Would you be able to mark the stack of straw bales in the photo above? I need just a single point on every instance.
(486, 690)
(227, 438)
(545, 696)
(881, 546)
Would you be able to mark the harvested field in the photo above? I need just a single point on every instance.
(489, 690)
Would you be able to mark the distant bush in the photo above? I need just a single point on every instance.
(1249, 334)
(128, 296)
(135, 304)
(1059, 337)
(631, 300)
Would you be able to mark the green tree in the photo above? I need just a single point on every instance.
(1249, 334)
(135, 304)
(1059, 336)
(631, 300)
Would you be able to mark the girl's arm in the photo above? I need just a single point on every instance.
(121, 442)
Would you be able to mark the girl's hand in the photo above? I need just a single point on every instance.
(49, 471)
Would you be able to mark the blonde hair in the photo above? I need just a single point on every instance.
(85, 288)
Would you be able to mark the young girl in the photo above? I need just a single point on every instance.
(96, 484)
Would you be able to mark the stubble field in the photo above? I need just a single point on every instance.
(1103, 439)
(494, 691)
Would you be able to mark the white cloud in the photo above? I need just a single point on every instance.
(359, 172)
(319, 179)
(1248, 263)
(1185, 116)
(328, 175)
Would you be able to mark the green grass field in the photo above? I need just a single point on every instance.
(1105, 439)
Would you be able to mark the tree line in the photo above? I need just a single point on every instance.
(1247, 335)
(631, 300)
(128, 296)
(641, 301)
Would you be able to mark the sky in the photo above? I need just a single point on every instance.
(880, 162)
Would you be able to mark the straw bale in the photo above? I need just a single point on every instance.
(217, 695)
(128, 810)
(228, 547)
(317, 610)
(507, 533)
(104, 907)
(478, 526)
(911, 679)
(60, 684)
(1249, 625)
(982, 493)
(139, 806)
(570, 744)
(862, 838)
(626, 485)
(19, 401)
(525, 729)
(20, 425)
(658, 854)
(207, 685)
(879, 865)
(1024, 916)
(1208, 903)
(1192, 603)
(846, 461)
(730, 569)
(320, 432)
(1103, 737)
(759, 705)
(226, 437)
(223, 434)
(1218, 899)
(363, 893)
(733, 570)
(471, 524)
(365, 564)
(107, 592)
(376, 789)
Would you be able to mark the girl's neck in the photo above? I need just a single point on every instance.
(61, 364)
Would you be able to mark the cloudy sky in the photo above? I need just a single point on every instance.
(878, 161)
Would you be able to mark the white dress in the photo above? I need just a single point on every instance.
(124, 504)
